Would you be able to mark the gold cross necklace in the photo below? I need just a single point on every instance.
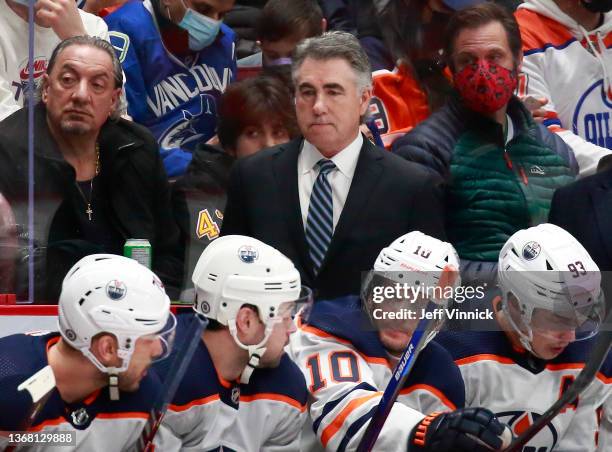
(88, 210)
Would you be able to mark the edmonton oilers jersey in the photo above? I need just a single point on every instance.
(99, 424)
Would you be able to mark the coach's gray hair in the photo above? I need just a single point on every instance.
(335, 44)
(98, 43)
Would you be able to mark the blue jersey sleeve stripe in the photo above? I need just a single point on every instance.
(548, 46)
(329, 406)
(354, 428)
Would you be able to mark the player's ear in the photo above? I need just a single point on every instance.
(104, 347)
(248, 325)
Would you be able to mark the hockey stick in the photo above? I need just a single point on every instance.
(171, 382)
(400, 374)
(584, 379)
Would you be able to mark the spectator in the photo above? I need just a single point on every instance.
(178, 59)
(359, 18)
(280, 27)
(501, 168)
(243, 19)
(98, 180)
(420, 83)
(253, 114)
(567, 67)
(55, 20)
(283, 194)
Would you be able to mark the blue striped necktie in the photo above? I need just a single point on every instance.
(320, 223)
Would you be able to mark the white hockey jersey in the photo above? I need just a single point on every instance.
(518, 387)
(209, 413)
(14, 53)
(347, 369)
(572, 68)
(100, 424)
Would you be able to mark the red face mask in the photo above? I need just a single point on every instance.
(485, 87)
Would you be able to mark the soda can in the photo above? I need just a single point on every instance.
(139, 250)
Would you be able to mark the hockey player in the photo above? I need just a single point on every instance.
(347, 354)
(568, 65)
(114, 321)
(241, 391)
(178, 58)
(519, 363)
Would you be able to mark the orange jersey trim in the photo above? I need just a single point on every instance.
(197, 402)
(49, 423)
(603, 378)
(325, 335)
(484, 357)
(336, 424)
(539, 32)
(276, 397)
(431, 389)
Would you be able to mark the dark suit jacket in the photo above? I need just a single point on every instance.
(388, 197)
(584, 209)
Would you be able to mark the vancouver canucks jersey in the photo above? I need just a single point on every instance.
(209, 413)
(100, 424)
(347, 368)
(174, 97)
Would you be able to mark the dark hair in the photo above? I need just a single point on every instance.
(89, 41)
(478, 16)
(251, 102)
(284, 19)
(403, 28)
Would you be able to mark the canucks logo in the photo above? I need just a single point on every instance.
(116, 290)
(248, 254)
(196, 124)
(531, 250)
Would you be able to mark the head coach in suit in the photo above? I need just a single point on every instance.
(331, 200)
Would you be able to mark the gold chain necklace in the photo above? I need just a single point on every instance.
(88, 210)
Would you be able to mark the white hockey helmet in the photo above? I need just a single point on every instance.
(235, 270)
(419, 259)
(106, 293)
(545, 267)
(414, 260)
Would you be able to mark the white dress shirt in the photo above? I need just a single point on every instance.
(339, 179)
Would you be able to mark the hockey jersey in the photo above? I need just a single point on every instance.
(347, 369)
(519, 387)
(398, 103)
(14, 54)
(572, 68)
(209, 413)
(174, 97)
(99, 423)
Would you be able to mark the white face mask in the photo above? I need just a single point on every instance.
(202, 29)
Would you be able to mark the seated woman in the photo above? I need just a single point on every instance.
(253, 114)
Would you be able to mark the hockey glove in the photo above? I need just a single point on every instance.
(466, 429)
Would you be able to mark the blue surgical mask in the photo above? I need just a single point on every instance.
(22, 2)
(202, 29)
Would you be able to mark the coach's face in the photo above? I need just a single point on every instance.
(329, 104)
